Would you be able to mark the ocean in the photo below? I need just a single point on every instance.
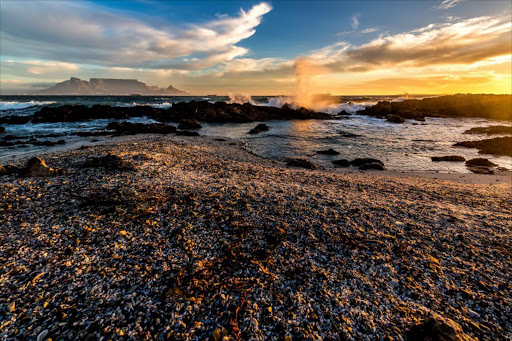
(404, 147)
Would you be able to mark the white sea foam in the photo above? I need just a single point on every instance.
(9, 105)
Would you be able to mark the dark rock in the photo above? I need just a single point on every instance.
(347, 134)
(8, 170)
(393, 118)
(187, 133)
(480, 170)
(437, 328)
(450, 158)
(494, 146)
(92, 133)
(341, 163)
(11, 137)
(301, 163)
(328, 152)
(480, 162)
(60, 142)
(469, 105)
(38, 168)
(109, 161)
(189, 123)
(259, 128)
(140, 128)
(492, 130)
(361, 161)
(372, 165)
(14, 119)
(2, 130)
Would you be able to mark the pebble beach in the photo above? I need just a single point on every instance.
(195, 238)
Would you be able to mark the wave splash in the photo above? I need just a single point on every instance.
(10, 105)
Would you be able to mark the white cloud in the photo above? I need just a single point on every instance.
(445, 4)
(79, 33)
(370, 30)
(355, 21)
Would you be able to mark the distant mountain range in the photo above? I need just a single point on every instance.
(107, 86)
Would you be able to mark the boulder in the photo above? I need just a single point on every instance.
(328, 152)
(480, 162)
(492, 130)
(449, 158)
(14, 119)
(393, 118)
(372, 165)
(110, 162)
(259, 128)
(8, 170)
(301, 163)
(140, 128)
(2, 130)
(494, 146)
(36, 167)
(480, 170)
(361, 161)
(437, 328)
(189, 124)
(341, 163)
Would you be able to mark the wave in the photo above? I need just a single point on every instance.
(10, 105)
(163, 105)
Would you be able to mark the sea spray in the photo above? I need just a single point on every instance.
(240, 98)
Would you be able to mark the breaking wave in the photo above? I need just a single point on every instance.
(10, 105)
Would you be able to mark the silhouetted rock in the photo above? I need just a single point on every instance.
(492, 130)
(109, 161)
(480, 162)
(437, 328)
(494, 146)
(301, 163)
(394, 118)
(372, 165)
(485, 106)
(15, 119)
(189, 123)
(449, 158)
(259, 128)
(140, 128)
(328, 152)
(341, 163)
(8, 170)
(36, 167)
(2, 130)
(362, 161)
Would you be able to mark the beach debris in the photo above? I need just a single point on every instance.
(437, 328)
(36, 167)
(448, 158)
(301, 163)
(259, 128)
(329, 151)
(189, 123)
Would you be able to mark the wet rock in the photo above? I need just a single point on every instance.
(495, 146)
(437, 328)
(109, 161)
(14, 119)
(449, 158)
(393, 118)
(492, 130)
(328, 152)
(480, 170)
(36, 167)
(480, 162)
(372, 165)
(341, 163)
(2, 130)
(42, 335)
(259, 128)
(140, 128)
(301, 163)
(8, 170)
(362, 161)
(189, 123)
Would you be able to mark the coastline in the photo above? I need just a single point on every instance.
(205, 237)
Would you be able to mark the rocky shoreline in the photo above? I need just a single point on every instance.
(174, 237)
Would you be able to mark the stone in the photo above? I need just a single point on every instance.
(140, 128)
(361, 161)
(8, 170)
(328, 152)
(36, 167)
(2, 130)
(480, 162)
(494, 146)
(372, 165)
(301, 163)
(187, 133)
(109, 161)
(189, 124)
(393, 118)
(341, 163)
(449, 158)
(437, 328)
(259, 128)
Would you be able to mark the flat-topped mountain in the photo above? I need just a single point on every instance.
(107, 86)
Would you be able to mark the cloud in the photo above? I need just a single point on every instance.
(355, 21)
(445, 4)
(370, 30)
(79, 33)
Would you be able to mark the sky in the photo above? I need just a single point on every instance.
(261, 47)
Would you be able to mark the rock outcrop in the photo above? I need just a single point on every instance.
(492, 130)
(437, 328)
(36, 167)
(301, 163)
(494, 146)
(449, 158)
(259, 128)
